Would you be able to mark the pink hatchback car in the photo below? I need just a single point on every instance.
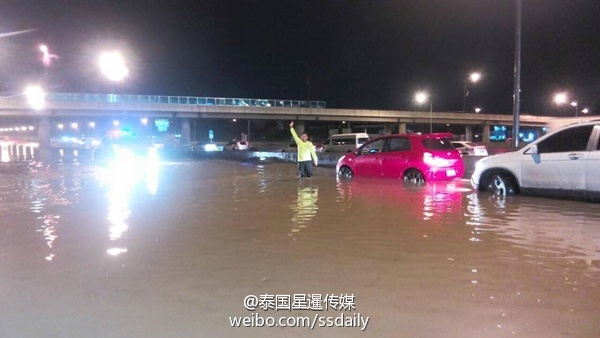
(415, 158)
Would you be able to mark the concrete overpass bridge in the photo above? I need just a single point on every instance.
(186, 109)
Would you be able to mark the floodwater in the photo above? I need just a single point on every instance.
(178, 249)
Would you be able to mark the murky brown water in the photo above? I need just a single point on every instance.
(173, 251)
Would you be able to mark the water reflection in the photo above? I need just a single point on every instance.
(440, 201)
(555, 229)
(49, 231)
(305, 208)
(122, 178)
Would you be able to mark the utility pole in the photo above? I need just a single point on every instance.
(517, 71)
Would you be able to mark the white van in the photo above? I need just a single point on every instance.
(344, 142)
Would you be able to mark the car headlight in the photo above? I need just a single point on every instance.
(210, 147)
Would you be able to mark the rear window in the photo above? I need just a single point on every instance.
(363, 140)
(437, 144)
(342, 141)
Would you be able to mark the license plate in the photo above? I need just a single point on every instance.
(450, 172)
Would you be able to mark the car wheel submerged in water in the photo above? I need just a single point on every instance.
(501, 184)
(413, 176)
(345, 173)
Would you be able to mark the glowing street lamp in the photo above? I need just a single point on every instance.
(477, 110)
(421, 98)
(585, 110)
(113, 66)
(473, 78)
(46, 56)
(574, 104)
(560, 98)
(35, 96)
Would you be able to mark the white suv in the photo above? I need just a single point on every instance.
(562, 164)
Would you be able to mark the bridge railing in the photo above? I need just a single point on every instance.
(192, 100)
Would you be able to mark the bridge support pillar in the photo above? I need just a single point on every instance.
(402, 128)
(387, 129)
(43, 135)
(469, 133)
(186, 131)
(486, 133)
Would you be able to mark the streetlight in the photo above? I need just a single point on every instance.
(574, 104)
(563, 98)
(585, 110)
(422, 97)
(473, 78)
(560, 98)
(46, 56)
(113, 66)
(477, 110)
(35, 96)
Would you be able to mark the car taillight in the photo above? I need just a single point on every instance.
(434, 161)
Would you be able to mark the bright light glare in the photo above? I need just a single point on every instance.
(74, 125)
(477, 110)
(92, 124)
(113, 66)
(421, 97)
(434, 161)
(35, 96)
(144, 121)
(574, 103)
(585, 110)
(60, 126)
(560, 98)
(210, 147)
(474, 77)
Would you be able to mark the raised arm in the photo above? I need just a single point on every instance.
(294, 135)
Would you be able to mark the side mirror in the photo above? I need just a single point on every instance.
(534, 149)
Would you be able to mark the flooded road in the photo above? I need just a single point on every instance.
(178, 249)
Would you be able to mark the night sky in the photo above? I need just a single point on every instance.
(358, 54)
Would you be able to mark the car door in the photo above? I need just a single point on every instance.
(560, 162)
(368, 162)
(394, 159)
(592, 171)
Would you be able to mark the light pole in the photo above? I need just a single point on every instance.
(422, 97)
(574, 104)
(563, 98)
(473, 78)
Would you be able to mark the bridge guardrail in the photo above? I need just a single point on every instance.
(192, 100)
